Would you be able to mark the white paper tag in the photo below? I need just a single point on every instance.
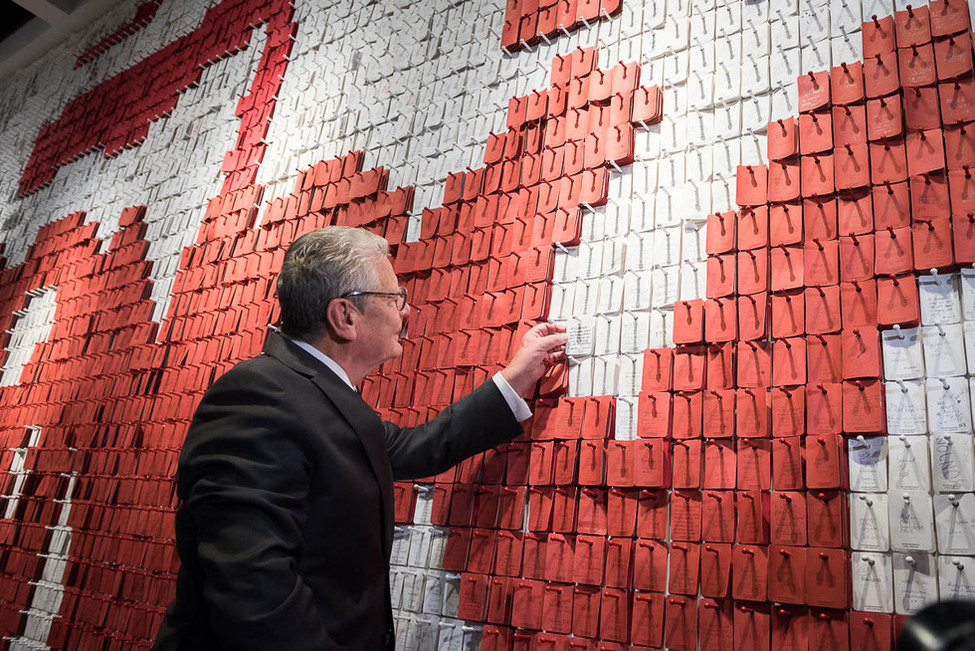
(952, 462)
(868, 464)
(903, 356)
(911, 521)
(940, 299)
(909, 468)
(915, 582)
(872, 586)
(956, 577)
(955, 522)
(869, 530)
(906, 408)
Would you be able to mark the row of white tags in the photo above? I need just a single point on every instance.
(905, 583)
(913, 521)
(943, 462)
(435, 634)
(937, 405)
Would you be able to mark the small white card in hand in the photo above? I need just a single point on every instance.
(868, 464)
(580, 330)
(911, 521)
(915, 582)
(903, 355)
(940, 299)
(872, 586)
(944, 350)
(949, 405)
(869, 529)
(956, 577)
(906, 409)
(953, 463)
(909, 468)
(955, 523)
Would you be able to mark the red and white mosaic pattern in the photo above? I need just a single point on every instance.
(755, 221)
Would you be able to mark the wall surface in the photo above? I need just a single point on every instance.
(756, 218)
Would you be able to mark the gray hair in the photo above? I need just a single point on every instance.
(323, 265)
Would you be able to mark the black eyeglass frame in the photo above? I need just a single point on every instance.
(402, 295)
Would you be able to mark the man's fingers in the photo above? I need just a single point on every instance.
(547, 328)
(553, 341)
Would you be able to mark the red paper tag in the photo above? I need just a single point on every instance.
(885, 117)
(898, 301)
(824, 408)
(880, 76)
(916, 65)
(953, 56)
(822, 309)
(878, 36)
(782, 139)
(813, 91)
(787, 463)
(815, 133)
(785, 224)
(846, 81)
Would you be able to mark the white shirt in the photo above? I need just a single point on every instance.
(519, 408)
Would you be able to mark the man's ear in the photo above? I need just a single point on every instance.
(342, 319)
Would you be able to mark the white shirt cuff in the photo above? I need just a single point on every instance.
(515, 402)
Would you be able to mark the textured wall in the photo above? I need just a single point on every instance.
(754, 217)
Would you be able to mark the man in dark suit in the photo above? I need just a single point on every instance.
(285, 480)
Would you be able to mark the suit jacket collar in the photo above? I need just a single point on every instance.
(359, 415)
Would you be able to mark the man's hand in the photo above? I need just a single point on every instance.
(541, 347)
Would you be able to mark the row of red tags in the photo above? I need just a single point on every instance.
(687, 624)
(504, 225)
(789, 463)
(883, 207)
(712, 515)
(882, 119)
(920, 156)
(528, 21)
(718, 570)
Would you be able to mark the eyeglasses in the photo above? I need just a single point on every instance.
(401, 294)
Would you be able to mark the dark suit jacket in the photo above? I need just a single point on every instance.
(285, 522)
